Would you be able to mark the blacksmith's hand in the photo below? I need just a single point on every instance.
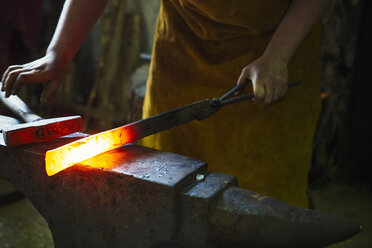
(269, 76)
(48, 70)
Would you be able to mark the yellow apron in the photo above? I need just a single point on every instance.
(200, 48)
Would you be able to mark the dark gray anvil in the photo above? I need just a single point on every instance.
(148, 198)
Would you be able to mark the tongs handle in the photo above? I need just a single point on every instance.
(228, 99)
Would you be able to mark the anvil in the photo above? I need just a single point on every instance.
(148, 198)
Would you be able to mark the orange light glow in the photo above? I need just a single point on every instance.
(324, 95)
(66, 156)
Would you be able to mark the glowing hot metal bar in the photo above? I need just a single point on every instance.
(65, 156)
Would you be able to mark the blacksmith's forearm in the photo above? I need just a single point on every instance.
(296, 24)
(76, 20)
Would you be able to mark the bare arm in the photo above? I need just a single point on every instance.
(77, 19)
(75, 22)
(269, 73)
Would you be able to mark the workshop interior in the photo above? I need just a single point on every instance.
(75, 171)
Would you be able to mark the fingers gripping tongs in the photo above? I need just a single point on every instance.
(232, 96)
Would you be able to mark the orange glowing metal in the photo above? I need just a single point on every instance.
(63, 157)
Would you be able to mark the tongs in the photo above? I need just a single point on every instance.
(195, 111)
(232, 96)
(227, 98)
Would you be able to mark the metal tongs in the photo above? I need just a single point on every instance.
(232, 96)
(227, 98)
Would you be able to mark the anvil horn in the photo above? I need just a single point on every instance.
(243, 217)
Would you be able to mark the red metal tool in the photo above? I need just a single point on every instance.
(36, 129)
